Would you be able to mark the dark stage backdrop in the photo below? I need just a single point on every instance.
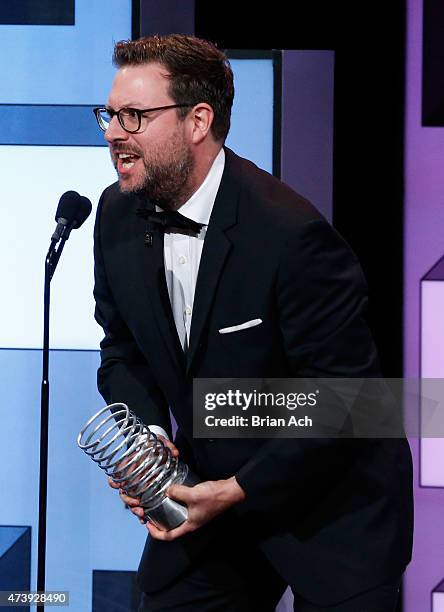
(369, 45)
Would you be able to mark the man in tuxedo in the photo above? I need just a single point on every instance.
(330, 517)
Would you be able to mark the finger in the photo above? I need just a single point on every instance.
(173, 534)
(113, 484)
(169, 445)
(180, 493)
(129, 501)
(138, 511)
(155, 532)
(173, 449)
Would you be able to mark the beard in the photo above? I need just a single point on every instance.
(165, 179)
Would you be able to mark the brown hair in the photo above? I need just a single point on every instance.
(198, 71)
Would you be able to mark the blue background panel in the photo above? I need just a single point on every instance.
(15, 559)
(251, 133)
(8, 537)
(64, 64)
(88, 527)
(22, 124)
(19, 451)
(35, 178)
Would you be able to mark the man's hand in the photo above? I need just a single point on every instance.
(133, 503)
(204, 501)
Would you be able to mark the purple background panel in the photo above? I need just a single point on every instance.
(166, 17)
(427, 567)
(432, 330)
(307, 141)
(431, 467)
(307, 125)
(424, 190)
(424, 247)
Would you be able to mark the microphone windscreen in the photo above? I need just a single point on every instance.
(74, 208)
(68, 207)
(84, 211)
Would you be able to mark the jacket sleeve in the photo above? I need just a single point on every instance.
(321, 298)
(124, 374)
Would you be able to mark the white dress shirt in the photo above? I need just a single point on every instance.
(182, 254)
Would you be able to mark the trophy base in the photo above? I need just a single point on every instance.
(169, 514)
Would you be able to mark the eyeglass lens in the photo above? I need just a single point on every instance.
(128, 119)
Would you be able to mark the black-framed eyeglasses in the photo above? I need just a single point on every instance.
(129, 118)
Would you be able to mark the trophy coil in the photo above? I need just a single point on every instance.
(134, 457)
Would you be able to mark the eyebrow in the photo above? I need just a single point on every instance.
(130, 105)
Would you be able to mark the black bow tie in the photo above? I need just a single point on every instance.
(169, 219)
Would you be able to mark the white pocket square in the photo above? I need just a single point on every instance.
(235, 328)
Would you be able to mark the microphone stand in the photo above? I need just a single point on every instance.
(51, 261)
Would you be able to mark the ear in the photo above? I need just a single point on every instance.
(202, 116)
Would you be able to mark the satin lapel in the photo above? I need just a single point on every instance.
(214, 254)
(153, 272)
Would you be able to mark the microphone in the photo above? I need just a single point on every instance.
(72, 210)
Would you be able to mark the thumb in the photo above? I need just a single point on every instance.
(180, 493)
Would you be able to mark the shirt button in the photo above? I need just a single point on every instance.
(188, 310)
(182, 259)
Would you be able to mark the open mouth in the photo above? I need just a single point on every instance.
(126, 161)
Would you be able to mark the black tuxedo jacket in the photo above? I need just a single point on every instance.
(334, 517)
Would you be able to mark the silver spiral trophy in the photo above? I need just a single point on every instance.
(134, 458)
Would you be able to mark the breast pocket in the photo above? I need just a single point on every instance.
(242, 338)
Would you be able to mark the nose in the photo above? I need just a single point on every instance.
(115, 131)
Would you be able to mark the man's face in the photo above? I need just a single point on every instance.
(161, 159)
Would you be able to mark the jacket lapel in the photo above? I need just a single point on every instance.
(153, 273)
(214, 253)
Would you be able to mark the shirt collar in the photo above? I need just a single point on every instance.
(200, 205)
